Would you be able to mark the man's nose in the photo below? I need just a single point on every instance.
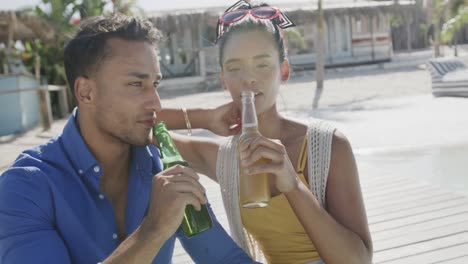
(154, 103)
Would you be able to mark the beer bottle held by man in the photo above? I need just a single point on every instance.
(194, 221)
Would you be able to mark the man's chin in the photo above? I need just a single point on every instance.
(141, 142)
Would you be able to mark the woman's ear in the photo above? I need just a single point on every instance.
(285, 70)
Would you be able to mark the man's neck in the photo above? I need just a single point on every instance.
(112, 154)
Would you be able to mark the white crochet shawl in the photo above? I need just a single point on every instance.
(319, 141)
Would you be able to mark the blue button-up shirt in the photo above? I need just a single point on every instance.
(52, 210)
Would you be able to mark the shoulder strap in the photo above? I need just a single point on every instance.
(302, 160)
(319, 136)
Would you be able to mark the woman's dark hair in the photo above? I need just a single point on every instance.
(250, 24)
(87, 49)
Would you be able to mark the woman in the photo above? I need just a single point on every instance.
(316, 212)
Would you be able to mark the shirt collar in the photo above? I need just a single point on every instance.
(76, 148)
(145, 159)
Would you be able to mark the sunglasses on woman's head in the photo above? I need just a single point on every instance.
(243, 8)
(262, 12)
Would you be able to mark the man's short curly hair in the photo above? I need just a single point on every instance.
(87, 49)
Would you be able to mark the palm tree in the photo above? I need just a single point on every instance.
(458, 10)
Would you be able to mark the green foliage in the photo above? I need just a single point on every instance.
(60, 14)
(295, 38)
(51, 57)
(451, 27)
(453, 15)
(396, 20)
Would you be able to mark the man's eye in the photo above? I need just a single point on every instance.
(262, 65)
(233, 69)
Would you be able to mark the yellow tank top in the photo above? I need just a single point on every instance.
(276, 228)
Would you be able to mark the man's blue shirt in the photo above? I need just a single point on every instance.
(52, 210)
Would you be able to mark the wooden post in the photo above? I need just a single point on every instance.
(372, 36)
(351, 21)
(408, 21)
(320, 64)
(37, 68)
(11, 32)
(330, 30)
(45, 109)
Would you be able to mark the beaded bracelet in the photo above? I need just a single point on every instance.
(187, 121)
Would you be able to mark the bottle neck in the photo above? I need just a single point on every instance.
(249, 115)
(166, 144)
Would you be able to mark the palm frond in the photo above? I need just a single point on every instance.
(451, 27)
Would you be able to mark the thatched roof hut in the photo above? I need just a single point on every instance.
(18, 25)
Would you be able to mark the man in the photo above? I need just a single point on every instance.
(96, 193)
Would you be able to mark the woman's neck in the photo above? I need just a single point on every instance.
(270, 123)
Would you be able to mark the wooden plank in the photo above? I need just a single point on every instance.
(460, 260)
(416, 219)
(426, 208)
(388, 194)
(368, 182)
(403, 200)
(414, 204)
(402, 195)
(419, 248)
(421, 236)
(390, 188)
(438, 255)
(425, 226)
(367, 185)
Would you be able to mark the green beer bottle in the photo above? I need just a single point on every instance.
(194, 221)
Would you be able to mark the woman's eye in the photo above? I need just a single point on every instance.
(136, 84)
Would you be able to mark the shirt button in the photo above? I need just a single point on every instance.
(114, 236)
(80, 172)
(101, 196)
(96, 169)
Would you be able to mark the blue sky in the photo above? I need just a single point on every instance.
(148, 5)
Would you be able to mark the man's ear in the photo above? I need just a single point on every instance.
(285, 70)
(83, 90)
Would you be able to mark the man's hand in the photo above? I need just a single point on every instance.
(172, 190)
(225, 120)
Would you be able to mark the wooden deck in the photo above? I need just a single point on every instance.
(411, 222)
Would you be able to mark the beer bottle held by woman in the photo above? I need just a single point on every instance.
(254, 190)
(194, 221)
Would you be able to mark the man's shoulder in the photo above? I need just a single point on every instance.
(19, 178)
(35, 164)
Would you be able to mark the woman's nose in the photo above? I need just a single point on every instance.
(248, 79)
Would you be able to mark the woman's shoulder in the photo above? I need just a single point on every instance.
(328, 131)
